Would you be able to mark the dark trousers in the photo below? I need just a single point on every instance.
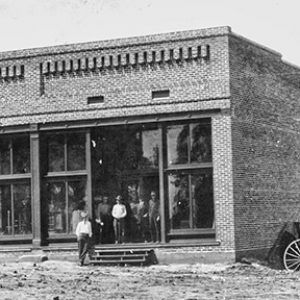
(154, 229)
(83, 247)
(119, 228)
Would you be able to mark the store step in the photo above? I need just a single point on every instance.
(123, 257)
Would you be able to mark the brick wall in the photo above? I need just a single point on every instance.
(57, 80)
(266, 144)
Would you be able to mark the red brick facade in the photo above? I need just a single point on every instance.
(250, 95)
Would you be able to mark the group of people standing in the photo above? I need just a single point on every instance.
(128, 222)
(120, 223)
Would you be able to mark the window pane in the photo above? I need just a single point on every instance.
(201, 143)
(202, 195)
(76, 194)
(76, 151)
(21, 155)
(57, 207)
(56, 153)
(177, 140)
(4, 156)
(150, 149)
(179, 203)
(5, 210)
(22, 208)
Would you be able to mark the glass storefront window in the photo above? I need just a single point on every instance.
(76, 151)
(6, 210)
(14, 155)
(63, 215)
(150, 149)
(56, 159)
(178, 186)
(57, 207)
(177, 141)
(66, 152)
(21, 155)
(4, 156)
(200, 143)
(22, 208)
(15, 209)
(76, 194)
(202, 198)
(191, 200)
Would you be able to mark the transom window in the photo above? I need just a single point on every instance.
(66, 152)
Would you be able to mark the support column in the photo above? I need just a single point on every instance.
(35, 186)
(161, 186)
(89, 171)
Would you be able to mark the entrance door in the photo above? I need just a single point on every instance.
(125, 163)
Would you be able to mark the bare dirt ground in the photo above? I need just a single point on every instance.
(65, 280)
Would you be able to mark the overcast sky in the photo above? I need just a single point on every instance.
(38, 23)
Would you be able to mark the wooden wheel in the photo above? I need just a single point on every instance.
(291, 256)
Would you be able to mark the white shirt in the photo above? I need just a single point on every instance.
(84, 227)
(119, 211)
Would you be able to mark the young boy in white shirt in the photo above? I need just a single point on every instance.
(119, 213)
(83, 233)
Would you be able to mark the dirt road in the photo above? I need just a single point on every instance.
(65, 280)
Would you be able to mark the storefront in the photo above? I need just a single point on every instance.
(171, 158)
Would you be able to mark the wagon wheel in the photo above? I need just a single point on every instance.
(291, 256)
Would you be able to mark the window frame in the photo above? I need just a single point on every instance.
(189, 168)
(12, 179)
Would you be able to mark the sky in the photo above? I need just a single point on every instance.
(39, 23)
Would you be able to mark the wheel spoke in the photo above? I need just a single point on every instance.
(292, 255)
(297, 253)
(293, 264)
(296, 243)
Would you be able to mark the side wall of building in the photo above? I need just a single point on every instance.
(265, 95)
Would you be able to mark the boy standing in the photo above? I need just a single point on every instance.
(83, 233)
(119, 213)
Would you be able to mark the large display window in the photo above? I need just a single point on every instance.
(64, 182)
(15, 190)
(188, 172)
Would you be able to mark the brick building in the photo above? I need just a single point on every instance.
(206, 119)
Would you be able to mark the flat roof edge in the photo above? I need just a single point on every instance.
(233, 34)
(119, 42)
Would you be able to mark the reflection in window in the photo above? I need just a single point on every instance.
(4, 156)
(202, 197)
(76, 194)
(22, 208)
(56, 206)
(16, 218)
(63, 215)
(76, 151)
(179, 201)
(56, 153)
(201, 143)
(6, 212)
(150, 149)
(21, 155)
(193, 210)
(177, 140)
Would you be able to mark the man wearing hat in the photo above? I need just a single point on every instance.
(83, 233)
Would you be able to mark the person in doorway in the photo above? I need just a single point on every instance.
(119, 213)
(104, 218)
(83, 233)
(154, 217)
(141, 217)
